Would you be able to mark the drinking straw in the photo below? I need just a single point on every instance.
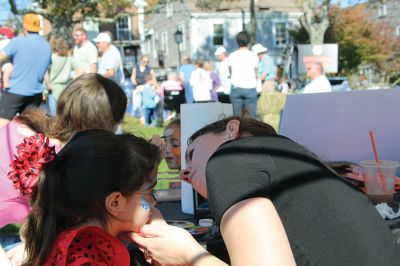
(381, 176)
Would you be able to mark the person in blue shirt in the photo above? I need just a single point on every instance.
(150, 100)
(267, 69)
(31, 56)
(184, 75)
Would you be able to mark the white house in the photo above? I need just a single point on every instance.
(205, 30)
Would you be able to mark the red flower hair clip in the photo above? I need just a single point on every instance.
(27, 164)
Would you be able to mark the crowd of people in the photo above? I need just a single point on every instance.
(28, 78)
(84, 194)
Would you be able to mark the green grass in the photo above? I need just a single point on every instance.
(9, 229)
(133, 125)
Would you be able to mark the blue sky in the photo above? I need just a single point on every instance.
(5, 8)
(345, 3)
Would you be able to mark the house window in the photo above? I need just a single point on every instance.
(124, 29)
(280, 34)
(182, 46)
(164, 42)
(382, 11)
(218, 34)
(169, 9)
(155, 45)
(148, 44)
(398, 31)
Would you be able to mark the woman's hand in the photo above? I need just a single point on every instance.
(170, 245)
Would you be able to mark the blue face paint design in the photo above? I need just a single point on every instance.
(144, 203)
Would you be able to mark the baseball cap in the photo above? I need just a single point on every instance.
(220, 50)
(258, 48)
(102, 37)
(31, 22)
(6, 33)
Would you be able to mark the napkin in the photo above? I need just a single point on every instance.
(387, 212)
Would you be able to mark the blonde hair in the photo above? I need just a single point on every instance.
(208, 66)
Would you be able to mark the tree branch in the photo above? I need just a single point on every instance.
(13, 6)
(81, 5)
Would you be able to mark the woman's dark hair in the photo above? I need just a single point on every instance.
(243, 38)
(88, 102)
(247, 124)
(72, 188)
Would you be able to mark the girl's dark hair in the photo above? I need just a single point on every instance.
(247, 124)
(73, 187)
(243, 39)
(90, 101)
(147, 155)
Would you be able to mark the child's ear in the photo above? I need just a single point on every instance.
(113, 203)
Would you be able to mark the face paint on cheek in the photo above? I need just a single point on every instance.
(144, 203)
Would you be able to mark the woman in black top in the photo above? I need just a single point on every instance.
(141, 70)
(276, 204)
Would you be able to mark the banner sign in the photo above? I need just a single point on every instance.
(326, 54)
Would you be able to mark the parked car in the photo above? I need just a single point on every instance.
(339, 84)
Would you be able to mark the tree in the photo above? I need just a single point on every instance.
(63, 14)
(315, 19)
(363, 40)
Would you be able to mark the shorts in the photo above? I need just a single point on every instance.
(11, 104)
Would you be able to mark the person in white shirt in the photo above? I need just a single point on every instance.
(110, 65)
(201, 82)
(222, 70)
(319, 83)
(244, 67)
(85, 53)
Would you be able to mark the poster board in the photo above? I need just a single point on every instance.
(336, 125)
(194, 117)
(326, 54)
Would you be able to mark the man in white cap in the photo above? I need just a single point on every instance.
(110, 65)
(267, 69)
(222, 70)
(30, 55)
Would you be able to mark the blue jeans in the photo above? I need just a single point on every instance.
(149, 115)
(244, 100)
(52, 103)
(188, 93)
(8, 241)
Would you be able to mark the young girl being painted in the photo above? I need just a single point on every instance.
(96, 188)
